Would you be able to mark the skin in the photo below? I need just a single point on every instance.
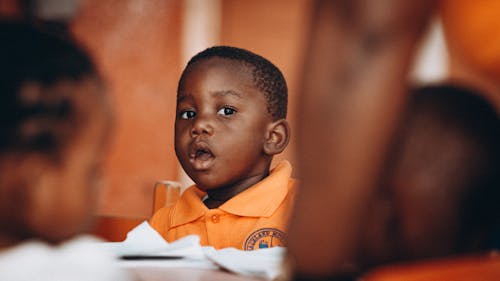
(54, 201)
(355, 75)
(224, 137)
(413, 214)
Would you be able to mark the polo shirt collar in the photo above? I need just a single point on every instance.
(263, 198)
(260, 200)
(189, 207)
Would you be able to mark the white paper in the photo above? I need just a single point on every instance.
(145, 241)
(263, 263)
(80, 259)
(140, 240)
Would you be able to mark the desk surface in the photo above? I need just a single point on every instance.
(185, 274)
(179, 270)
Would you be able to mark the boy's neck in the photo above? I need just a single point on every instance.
(219, 196)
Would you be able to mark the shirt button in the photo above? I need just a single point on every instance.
(215, 218)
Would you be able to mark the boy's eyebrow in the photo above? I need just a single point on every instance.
(181, 97)
(226, 93)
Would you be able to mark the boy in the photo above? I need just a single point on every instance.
(230, 122)
(53, 129)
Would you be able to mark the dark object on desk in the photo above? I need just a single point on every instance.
(148, 257)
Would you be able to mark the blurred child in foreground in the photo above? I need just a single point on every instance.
(54, 128)
(355, 92)
(440, 195)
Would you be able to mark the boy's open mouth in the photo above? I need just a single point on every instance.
(201, 157)
(203, 154)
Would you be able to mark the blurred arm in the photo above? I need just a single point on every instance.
(353, 90)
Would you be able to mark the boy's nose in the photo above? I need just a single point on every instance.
(201, 127)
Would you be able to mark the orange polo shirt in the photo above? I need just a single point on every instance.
(256, 218)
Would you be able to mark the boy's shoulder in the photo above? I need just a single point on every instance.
(189, 204)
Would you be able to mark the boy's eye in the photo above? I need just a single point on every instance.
(188, 114)
(226, 111)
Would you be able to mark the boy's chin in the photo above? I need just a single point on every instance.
(206, 188)
(208, 185)
(203, 184)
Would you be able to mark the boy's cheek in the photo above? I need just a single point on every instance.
(179, 153)
(182, 133)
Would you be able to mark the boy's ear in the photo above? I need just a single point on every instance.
(278, 136)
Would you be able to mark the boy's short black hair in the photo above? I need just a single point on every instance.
(266, 76)
(30, 55)
(472, 118)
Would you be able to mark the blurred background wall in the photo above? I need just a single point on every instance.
(137, 46)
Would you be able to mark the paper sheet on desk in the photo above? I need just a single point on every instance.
(145, 241)
(263, 263)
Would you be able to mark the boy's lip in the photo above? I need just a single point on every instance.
(201, 156)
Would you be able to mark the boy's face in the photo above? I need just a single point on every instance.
(221, 124)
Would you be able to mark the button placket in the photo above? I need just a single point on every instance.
(215, 218)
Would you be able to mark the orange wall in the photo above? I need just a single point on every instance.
(473, 38)
(276, 30)
(136, 45)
